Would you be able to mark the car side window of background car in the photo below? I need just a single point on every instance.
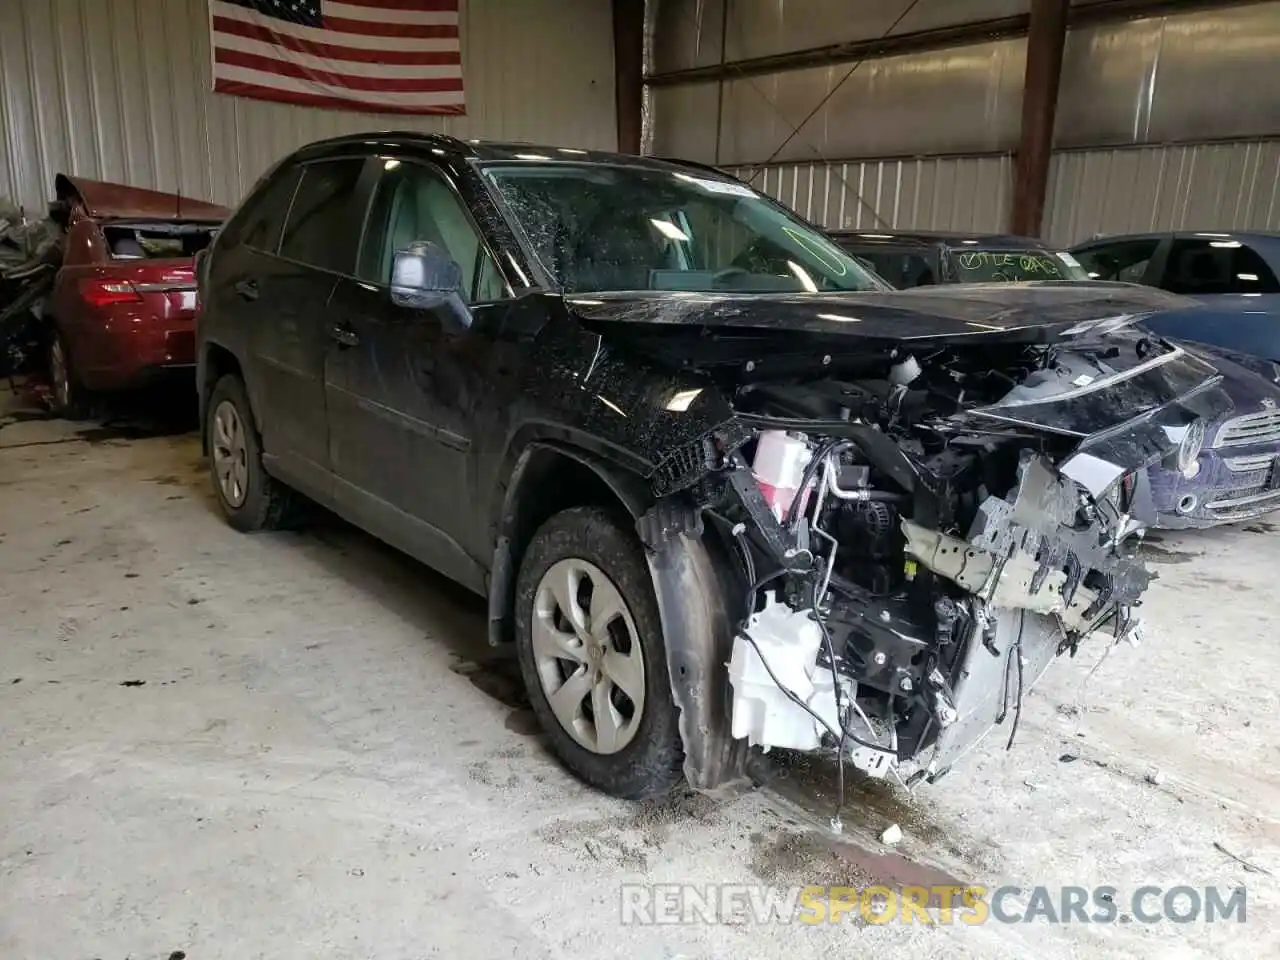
(264, 215)
(320, 231)
(1126, 262)
(413, 202)
(903, 270)
(1207, 266)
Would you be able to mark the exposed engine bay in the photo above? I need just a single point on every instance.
(923, 535)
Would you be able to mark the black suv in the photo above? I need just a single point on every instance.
(719, 486)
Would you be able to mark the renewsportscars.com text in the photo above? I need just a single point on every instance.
(645, 904)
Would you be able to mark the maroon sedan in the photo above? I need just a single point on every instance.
(122, 311)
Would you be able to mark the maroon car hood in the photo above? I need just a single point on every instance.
(114, 201)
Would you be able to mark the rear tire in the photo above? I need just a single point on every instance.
(251, 499)
(603, 657)
(69, 400)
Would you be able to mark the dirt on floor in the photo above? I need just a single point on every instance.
(300, 745)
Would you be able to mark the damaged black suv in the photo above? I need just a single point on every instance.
(721, 487)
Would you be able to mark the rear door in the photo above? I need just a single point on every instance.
(317, 247)
(233, 273)
(283, 297)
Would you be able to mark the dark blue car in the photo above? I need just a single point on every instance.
(1236, 476)
(1236, 276)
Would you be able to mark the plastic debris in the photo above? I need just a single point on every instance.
(891, 836)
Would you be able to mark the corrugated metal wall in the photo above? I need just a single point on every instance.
(961, 100)
(942, 193)
(690, 29)
(1139, 99)
(1218, 186)
(119, 90)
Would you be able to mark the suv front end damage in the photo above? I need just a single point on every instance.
(917, 538)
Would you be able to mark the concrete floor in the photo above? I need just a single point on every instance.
(298, 745)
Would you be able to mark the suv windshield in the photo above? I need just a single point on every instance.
(975, 265)
(609, 227)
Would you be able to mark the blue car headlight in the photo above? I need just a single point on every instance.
(1190, 446)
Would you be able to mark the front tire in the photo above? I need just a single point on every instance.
(589, 642)
(251, 499)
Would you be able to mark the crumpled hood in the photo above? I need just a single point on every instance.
(1029, 312)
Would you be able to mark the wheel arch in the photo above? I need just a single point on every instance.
(691, 578)
(215, 362)
(550, 476)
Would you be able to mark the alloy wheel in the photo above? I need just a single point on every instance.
(230, 454)
(588, 656)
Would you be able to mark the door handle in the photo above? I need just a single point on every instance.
(343, 335)
(247, 289)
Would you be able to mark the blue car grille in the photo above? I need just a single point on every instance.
(1261, 427)
(1248, 464)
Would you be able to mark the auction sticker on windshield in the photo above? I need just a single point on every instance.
(719, 186)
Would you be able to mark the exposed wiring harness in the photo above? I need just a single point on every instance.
(836, 824)
(1014, 661)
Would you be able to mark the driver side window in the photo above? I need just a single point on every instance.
(413, 202)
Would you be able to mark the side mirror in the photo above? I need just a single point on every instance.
(425, 278)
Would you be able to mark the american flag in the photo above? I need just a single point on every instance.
(382, 56)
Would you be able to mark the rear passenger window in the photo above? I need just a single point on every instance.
(323, 229)
(262, 219)
(1208, 266)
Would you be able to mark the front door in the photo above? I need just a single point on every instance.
(401, 389)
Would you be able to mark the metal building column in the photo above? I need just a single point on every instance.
(1045, 42)
(628, 66)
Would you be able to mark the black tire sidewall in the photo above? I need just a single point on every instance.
(650, 765)
(75, 407)
(252, 513)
